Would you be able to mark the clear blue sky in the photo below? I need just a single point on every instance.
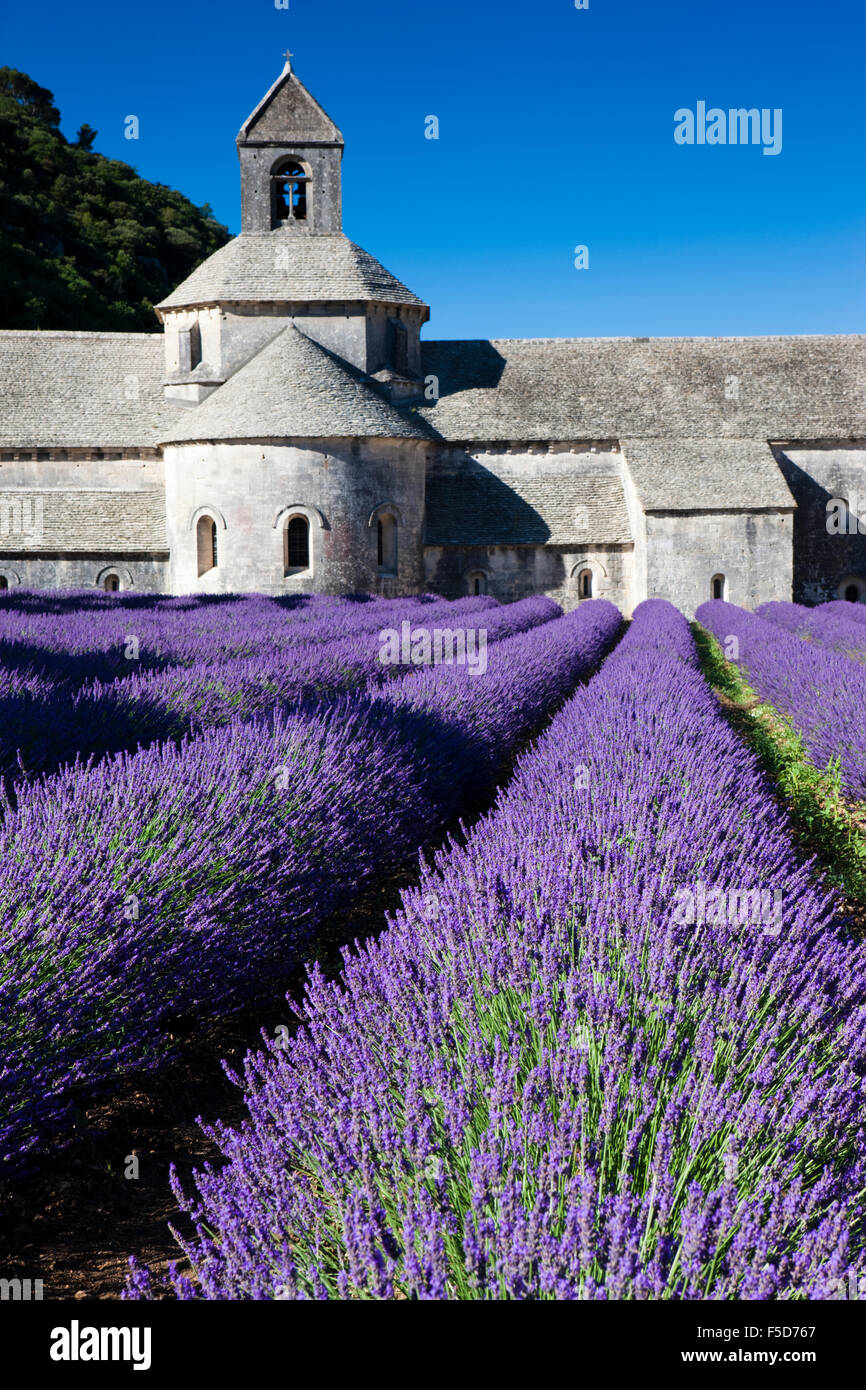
(556, 130)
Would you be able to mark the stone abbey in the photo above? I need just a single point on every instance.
(289, 431)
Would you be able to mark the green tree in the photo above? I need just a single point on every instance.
(84, 242)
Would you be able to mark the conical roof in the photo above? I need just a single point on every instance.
(279, 267)
(294, 389)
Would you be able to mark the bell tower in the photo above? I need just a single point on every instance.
(291, 264)
(290, 153)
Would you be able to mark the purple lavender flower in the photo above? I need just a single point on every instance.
(245, 659)
(545, 1081)
(177, 880)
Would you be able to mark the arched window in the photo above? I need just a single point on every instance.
(111, 583)
(717, 586)
(206, 544)
(386, 540)
(852, 593)
(4, 584)
(852, 589)
(289, 182)
(584, 584)
(297, 545)
(478, 582)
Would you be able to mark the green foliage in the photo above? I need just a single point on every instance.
(829, 828)
(84, 242)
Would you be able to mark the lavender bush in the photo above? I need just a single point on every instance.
(181, 701)
(248, 660)
(822, 692)
(179, 879)
(831, 625)
(854, 612)
(544, 1080)
(76, 644)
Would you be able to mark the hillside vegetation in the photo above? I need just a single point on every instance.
(85, 243)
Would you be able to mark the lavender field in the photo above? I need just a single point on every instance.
(795, 659)
(610, 1045)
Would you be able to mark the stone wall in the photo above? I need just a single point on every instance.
(149, 573)
(75, 469)
(67, 517)
(752, 550)
(251, 490)
(230, 336)
(510, 573)
(324, 195)
(638, 523)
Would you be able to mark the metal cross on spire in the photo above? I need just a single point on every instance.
(288, 55)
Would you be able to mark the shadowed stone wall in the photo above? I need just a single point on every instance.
(825, 562)
(515, 572)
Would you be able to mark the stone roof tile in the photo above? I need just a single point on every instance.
(83, 520)
(81, 390)
(285, 267)
(612, 388)
(705, 474)
(546, 504)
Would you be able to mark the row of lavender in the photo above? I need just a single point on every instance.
(45, 723)
(76, 644)
(178, 880)
(839, 626)
(47, 657)
(79, 644)
(821, 691)
(574, 1066)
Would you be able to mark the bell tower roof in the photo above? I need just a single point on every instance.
(289, 114)
(291, 155)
